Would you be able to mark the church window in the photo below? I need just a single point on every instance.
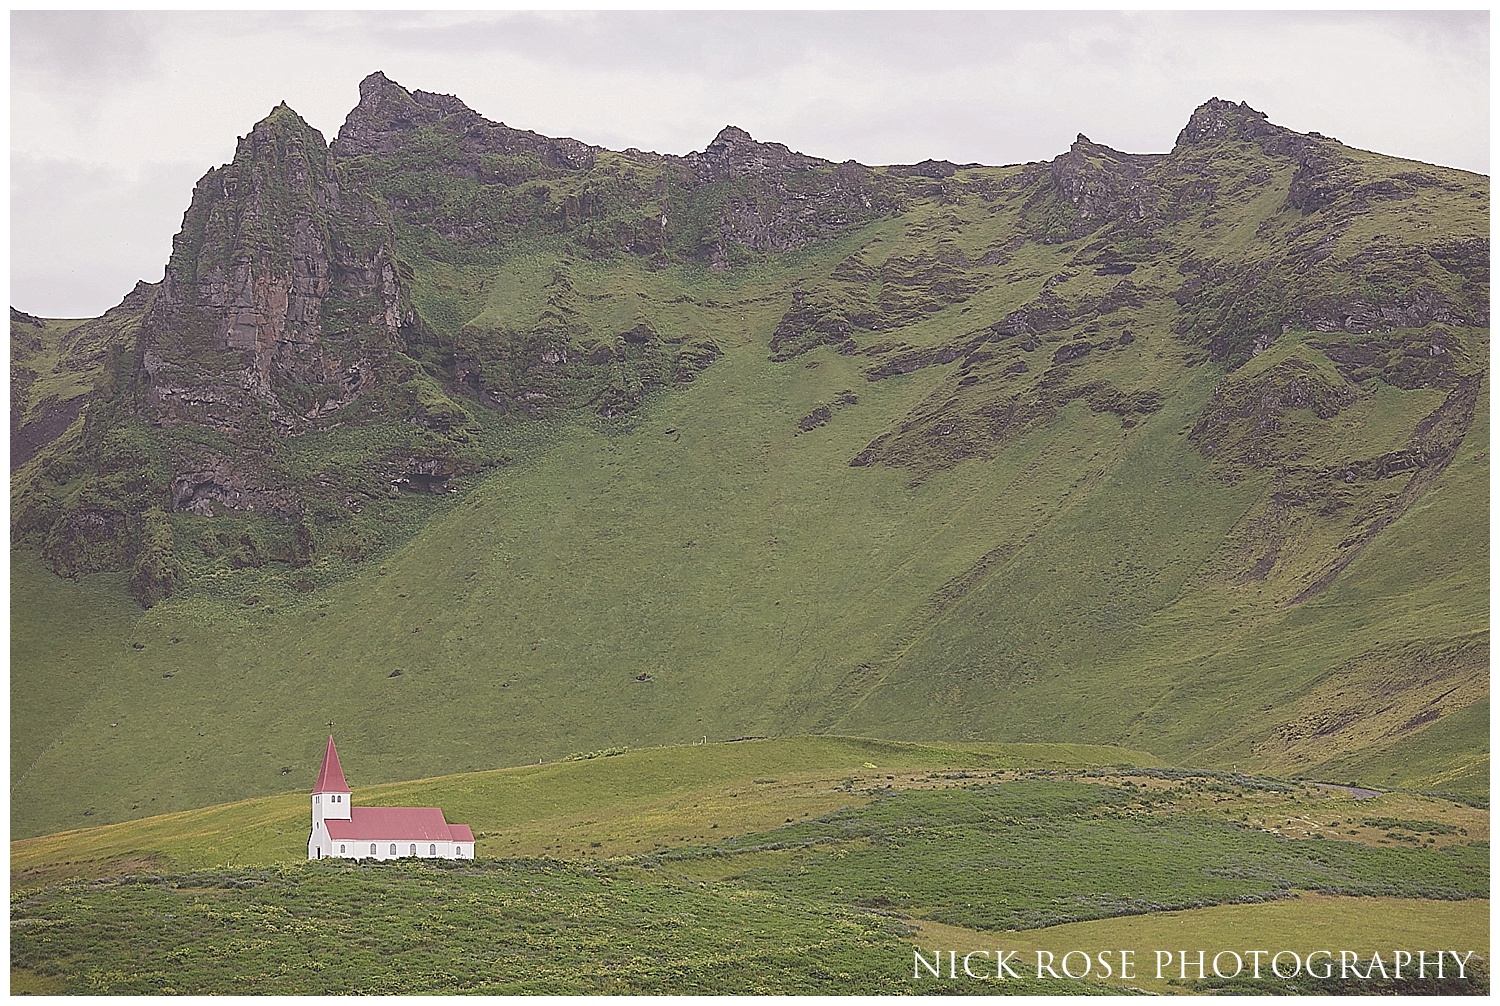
(372, 848)
(393, 848)
(432, 850)
(343, 849)
(414, 848)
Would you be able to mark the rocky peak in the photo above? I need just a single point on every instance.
(139, 298)
(280, 296)
(1216, 118)
(387, 115)
(1104, 184)
(735, 153)
(375, 84)
(729, 137)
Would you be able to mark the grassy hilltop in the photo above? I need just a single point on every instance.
(1184, 453)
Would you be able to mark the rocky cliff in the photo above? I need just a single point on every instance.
(281, 304)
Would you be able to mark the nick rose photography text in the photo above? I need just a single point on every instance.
(1190, 964)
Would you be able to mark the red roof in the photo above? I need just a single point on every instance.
(331, 776)
(398, 824)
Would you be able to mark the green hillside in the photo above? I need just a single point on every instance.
(1185, 453)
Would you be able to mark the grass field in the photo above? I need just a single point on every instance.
(811, 865)
(1033, 852)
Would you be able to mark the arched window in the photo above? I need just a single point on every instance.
(414, 848)
(372, 848)
(343, 849)
(432, 850)
(393, 848)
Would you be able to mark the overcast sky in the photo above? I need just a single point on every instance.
(114, 116)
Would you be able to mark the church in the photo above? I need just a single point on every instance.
(341, 830)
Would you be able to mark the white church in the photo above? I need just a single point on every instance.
(341, 830)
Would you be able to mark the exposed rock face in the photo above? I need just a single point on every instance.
(930, 169)
(215, 482)
(1420, 307)
(1105, 185)
(765, 197)
(85, 353)
(734, 153)
(281, 299)
(1241, 421)
(1048, 313)
(1216, 118)
(387, 115)
(773, 198)
(49, 422)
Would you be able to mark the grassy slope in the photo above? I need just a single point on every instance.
(606, 806)
(1115, 585)
(42, 351)
(750, 573)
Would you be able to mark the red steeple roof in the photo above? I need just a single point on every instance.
(331, 776)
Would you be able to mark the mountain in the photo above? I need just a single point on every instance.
(451, 430)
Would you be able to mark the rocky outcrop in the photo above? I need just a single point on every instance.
(1241, 421)
(812, 320)
(1104, 185)
(929, 169)
(1426, 359)
(1356, 313)
(212, 484)
(85, 353)
(734, 153)
(1047, 313)
(386, 120)
(759, 197)
(48, 421)
(89, 345)
(1217, 119)
(281, 300)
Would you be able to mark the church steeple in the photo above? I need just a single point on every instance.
(331, 777)
(330, 795)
